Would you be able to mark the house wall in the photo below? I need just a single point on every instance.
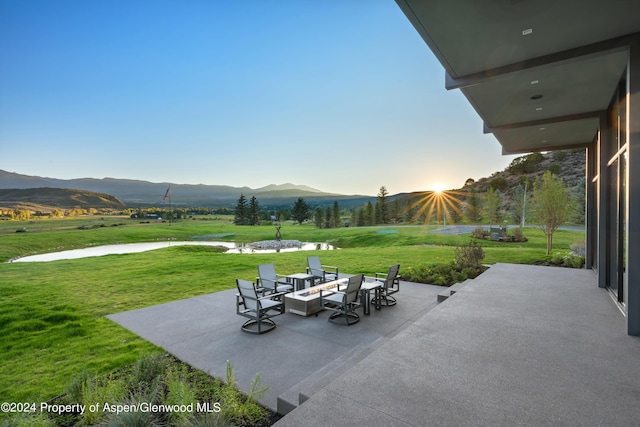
(614, 201)
(633, 190)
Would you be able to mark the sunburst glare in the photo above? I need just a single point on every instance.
(440, 205)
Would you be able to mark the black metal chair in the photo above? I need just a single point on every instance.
(390, 285)
(344, 302)
(319, 271)
(258, 309)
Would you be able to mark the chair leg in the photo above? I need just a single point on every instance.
(384, 300)
(350, 318)
(261, 326)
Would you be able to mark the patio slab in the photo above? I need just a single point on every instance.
(299, 353)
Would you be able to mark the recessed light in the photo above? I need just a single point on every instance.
(535, 82)
(541, 128)
(539, 109)
(536, 97)
(544, 141)
(527, 31)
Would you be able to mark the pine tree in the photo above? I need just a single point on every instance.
(336, 215)
(254, 211)
(327, 218)
(300, 211)
(318, 217)
(383, 205)
(241, 212)
(369, 215)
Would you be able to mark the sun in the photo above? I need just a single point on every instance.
(438, 188)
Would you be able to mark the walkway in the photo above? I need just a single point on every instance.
(521, 345)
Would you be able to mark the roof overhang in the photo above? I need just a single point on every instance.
(541, 74)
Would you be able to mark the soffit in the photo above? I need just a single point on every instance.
(560, 89)
(482, 48)
(471, 36)
(548, 137)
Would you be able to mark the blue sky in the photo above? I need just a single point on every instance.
(343, 96)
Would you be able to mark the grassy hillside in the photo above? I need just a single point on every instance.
(45, 200)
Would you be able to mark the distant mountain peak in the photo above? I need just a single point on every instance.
(287, 186)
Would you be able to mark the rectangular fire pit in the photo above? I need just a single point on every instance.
(307, 301)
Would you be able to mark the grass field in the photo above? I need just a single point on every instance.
(52, 314)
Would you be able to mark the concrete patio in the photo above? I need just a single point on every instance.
(520, 345)
(298, 357)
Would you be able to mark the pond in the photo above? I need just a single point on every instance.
(269, 246)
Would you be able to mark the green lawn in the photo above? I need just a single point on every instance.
(52, 314)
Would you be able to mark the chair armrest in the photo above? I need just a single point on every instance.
(270, 296)
(381, 275)
(330, 266)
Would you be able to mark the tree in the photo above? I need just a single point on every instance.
(300, 211)
(473, 207)
(254, 211)
(520, 204)
(395, 211)
(551, 205)
(327, 217)
(499, 183)
(492, 205)
(22, 214)
(368, 214)
(526, 164)
(318, 217)
(336, 215)
(580, 201)
(241, 213)
(381, 202)
(555, 168)
(360, 218)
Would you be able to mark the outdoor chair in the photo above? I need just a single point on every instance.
(258, 309)
(269, 282)
(390, 285)
(344, 303)
(319, 271)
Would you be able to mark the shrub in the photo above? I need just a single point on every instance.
(469, 256)
(162, 380)
(147, 371)
(499, 183)
(560, 155)
(441, 274)
(518, 236)
(579, 249)
(566, 259)
(179, 392)
(554, 168)
(241, 409)
(479, 233)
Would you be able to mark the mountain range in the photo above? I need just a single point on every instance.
(144, 193)
(568, 165)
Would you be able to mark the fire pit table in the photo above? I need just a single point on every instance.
(307, 301)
